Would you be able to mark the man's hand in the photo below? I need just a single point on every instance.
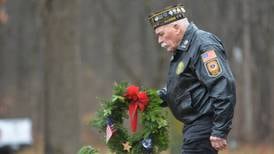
(218, 143)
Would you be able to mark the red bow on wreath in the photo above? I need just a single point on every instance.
(137, 100)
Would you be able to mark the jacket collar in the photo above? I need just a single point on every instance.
(184, 45)
(186, 41)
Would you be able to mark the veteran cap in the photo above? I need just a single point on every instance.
(167, 15)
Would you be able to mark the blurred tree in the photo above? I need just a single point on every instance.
(3, 14)
(60, 45)
(247, 68)
(3, 17)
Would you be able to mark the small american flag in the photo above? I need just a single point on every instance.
(110, 130)
(208, 55)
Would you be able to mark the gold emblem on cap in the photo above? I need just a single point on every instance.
(170, 12)
(174, 11)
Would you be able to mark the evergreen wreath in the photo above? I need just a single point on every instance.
(152, 138)
(87, 150)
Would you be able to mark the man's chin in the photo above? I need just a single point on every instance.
(170, 51)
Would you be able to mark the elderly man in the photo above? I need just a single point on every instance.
(200, 89)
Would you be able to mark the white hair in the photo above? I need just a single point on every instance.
(180, 23)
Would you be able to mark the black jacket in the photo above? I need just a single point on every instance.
(200, 82)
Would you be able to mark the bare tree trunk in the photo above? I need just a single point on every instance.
(248, 109)
(61, 51)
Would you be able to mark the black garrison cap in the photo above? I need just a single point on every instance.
(167, 15)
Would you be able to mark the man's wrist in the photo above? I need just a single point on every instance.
(162, 94)
(219, 134)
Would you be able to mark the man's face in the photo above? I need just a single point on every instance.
(167, 36)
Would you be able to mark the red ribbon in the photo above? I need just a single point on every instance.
(133, 114)
(138, 100)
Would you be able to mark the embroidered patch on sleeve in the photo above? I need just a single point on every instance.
(213, 67)
(208, 55)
